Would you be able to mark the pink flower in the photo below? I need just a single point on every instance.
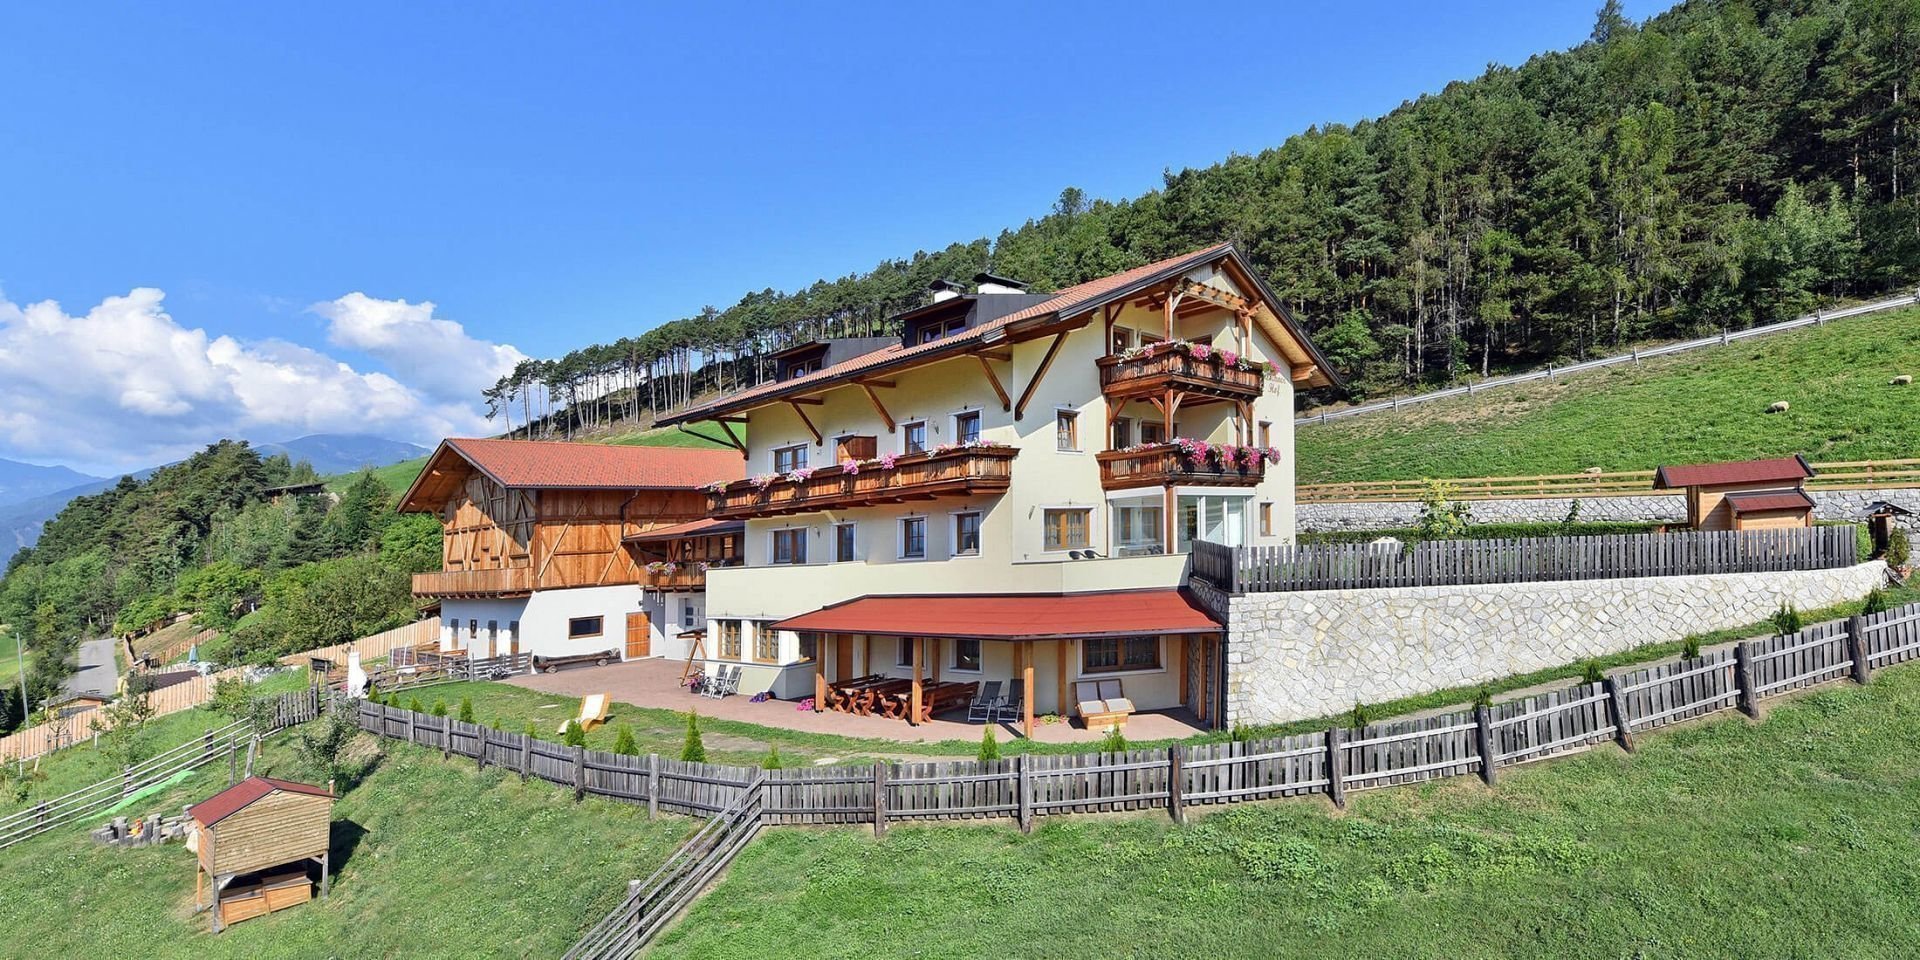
(887, 460)
(1229, 358)
(850, 467)
(764, 481)
(800, 475)
(1273, 454)
(1201, 351)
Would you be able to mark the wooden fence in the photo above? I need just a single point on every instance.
(1344, 566)
(227, 741)
(1837, 475)
(413, 634)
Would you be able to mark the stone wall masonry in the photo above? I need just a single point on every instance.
(1337, 517)
(1296, 656)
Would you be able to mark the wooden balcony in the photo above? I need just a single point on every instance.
(1165, 465)
(956, 472)
(499, 582)
(690, 576)
(1173, 369)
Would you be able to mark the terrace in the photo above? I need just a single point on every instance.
(1164, 464)
(960, 471)
(1158, 368)
(496, 582)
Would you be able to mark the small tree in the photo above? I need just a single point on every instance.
(772, 760)
(531, 732)
(413, 704)
(1483, 698)
(1441, 517)
(439, 707)
(624, 743)
(1876, 602)
(466, 709)
(989, 744)
(1899, 549)
(230, 697)
(1360, 716)
(322, 747)
(1590, 672)
(693, 751)
(1786, 620)
(575, 735)
(120, 726)
(1690, 648)
(1114, 741)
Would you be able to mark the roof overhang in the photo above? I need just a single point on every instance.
(705, 527)
(1012, 616)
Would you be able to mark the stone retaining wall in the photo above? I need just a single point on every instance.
(1295, 656)
(1334, 517)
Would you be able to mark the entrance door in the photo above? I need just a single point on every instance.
(843, 657)
(639, 636)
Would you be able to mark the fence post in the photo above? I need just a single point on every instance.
(206, 745)
(1483, 734)
(480, 755)
(1026, 792)
(412, 729)
(1176, 804)
(880, 798)
(526, 757)
(1743, 679)
(579, 773)
(1337, 766)
(233, 761)
(653, 785)
(1617, 703)
(126, 780)
(1857, 648)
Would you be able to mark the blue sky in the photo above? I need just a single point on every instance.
(550, 175)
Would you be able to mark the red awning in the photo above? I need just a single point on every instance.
(1763, 502)
(1004, 616)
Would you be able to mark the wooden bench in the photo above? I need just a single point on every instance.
(1102, 704)
(550, 664)
(945, 696)
(879, 695)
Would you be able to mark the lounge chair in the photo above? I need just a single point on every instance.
(1011, 709)
(1102, 703)
(723, 682)
(984, 706)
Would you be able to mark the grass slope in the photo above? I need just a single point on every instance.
(1794, 837)
(433, 860)
(1691, 407)
(9, 658)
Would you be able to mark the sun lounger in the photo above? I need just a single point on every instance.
(1102, 704)
(982, 708)
(593, 712)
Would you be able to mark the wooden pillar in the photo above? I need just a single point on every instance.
(1176, 785)
(1743, 679)
(880, 798)
(653, 785)
(918, 647)
(326, 873)
(935, 652)
(820, 673)
(1180, 666)
(1622, 718)
(1026, 679)
(1337, 766)
(1062, 707)
(214, 882)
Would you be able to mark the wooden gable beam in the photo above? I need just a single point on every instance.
(878, 407)
(869, 381)
(1004, 356)
(1302, 374)
(732, 439)
(994, 379)
(1214, 295)
(802, 414)
(1053, 350)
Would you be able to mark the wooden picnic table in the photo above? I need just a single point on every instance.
(934, 697)
(840, 695)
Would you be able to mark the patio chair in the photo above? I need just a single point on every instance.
(1011, 709)
(981, 710)
(716, 685)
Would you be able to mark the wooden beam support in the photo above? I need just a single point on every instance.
(919, 649)
(879, 407)
(994, 379)
(1302, 374)
(1026, 680)
(887, 384)
(809, 401)
(734, 442)
(802, 414)
(1053, 350)
(1004, 356)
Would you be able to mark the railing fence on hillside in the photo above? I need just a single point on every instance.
(1635, 356)
(288, 710)
(1832, 475)
(1347, 566)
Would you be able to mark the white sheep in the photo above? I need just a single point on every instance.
(1901, 380)
(1779, 406)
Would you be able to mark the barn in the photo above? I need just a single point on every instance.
(1744, 495)
(254, 842)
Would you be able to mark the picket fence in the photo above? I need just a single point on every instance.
(1635, 356)
(288, 710)
(1345, 566)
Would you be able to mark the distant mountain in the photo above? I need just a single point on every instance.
(332, 453)
(25, 481)
(20, 522)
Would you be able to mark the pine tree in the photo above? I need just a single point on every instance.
(693, 751)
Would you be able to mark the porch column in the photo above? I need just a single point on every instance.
(820, 672)
(918, 648)
(1026, 678)
(1062, 708)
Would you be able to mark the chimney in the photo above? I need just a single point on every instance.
(989, 283)
(944, 289)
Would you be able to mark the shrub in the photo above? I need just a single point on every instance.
(1690, 648)
(1786, 620)
(439, 707)
(772, 760)
(466, 709)
(693, 751)
(530, 731)
(989, 744)
(1899, 550)
(1876, 602)
(1241, 733)
(413, 703)
(1484, 698)
(230, 697)
(1114, 741)
(624, 744)
(494, 723)
(1590, 672)
(1360, 716)
(1441, 517)
(575, 735)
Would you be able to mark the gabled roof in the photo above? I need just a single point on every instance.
(1073, 300)
(1012, 616)
(1779, 469)
(1764, 501)
(551, 465)
(241, 795)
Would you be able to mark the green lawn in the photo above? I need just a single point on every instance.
(675, 437)
(1691, 407)
(1795, 837)
(9, 657)
(432, 860)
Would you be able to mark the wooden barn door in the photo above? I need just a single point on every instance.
(639, 636)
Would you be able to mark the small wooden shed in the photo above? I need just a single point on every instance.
(254, 841)
(1743, 495)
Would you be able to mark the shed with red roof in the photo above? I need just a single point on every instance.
(255, 842)
(1743, 495)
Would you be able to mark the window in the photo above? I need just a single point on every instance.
(1151, 432)
(580, 627)
(766, 643)
(809, 646)
(1066, 528)
(1122, 339)
(1147, 338)
(1266, 519)
(966, 655)
(906, 652)
(513, 630)
(954, 326)
(1137, 526)
(473, 628)
(789, 459)
(844, 543)
(966, 534)
(1066, 430)
(1111, 654)
(929, 334)
(686, 614)
(913, 436)
(730, 639)
(1122, 433)
(966, 426)
(1266, 434)
(790, 546)
(493, 628)
(1215, 519)
(913, 538)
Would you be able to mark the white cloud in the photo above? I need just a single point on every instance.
(433, 354)
(124, 386)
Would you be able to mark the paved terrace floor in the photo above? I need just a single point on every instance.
(656, 683)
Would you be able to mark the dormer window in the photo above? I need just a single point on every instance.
(803, 367)
(937, 331)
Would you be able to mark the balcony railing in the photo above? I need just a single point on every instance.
(498, 582)
(1173, 368)
(1167, 464)
(950, 472)
(687, 575)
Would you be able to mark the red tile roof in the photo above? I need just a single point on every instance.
(1745, 471)
(233, 799)
(534, 463)
(1764, 501)
(705, 527)
(1064, 300)
(1003, 616)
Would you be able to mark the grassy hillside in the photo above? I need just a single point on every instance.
(432, 860)
(9, 657)
(1790, 838)
(1706, 405)
(674, 437)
